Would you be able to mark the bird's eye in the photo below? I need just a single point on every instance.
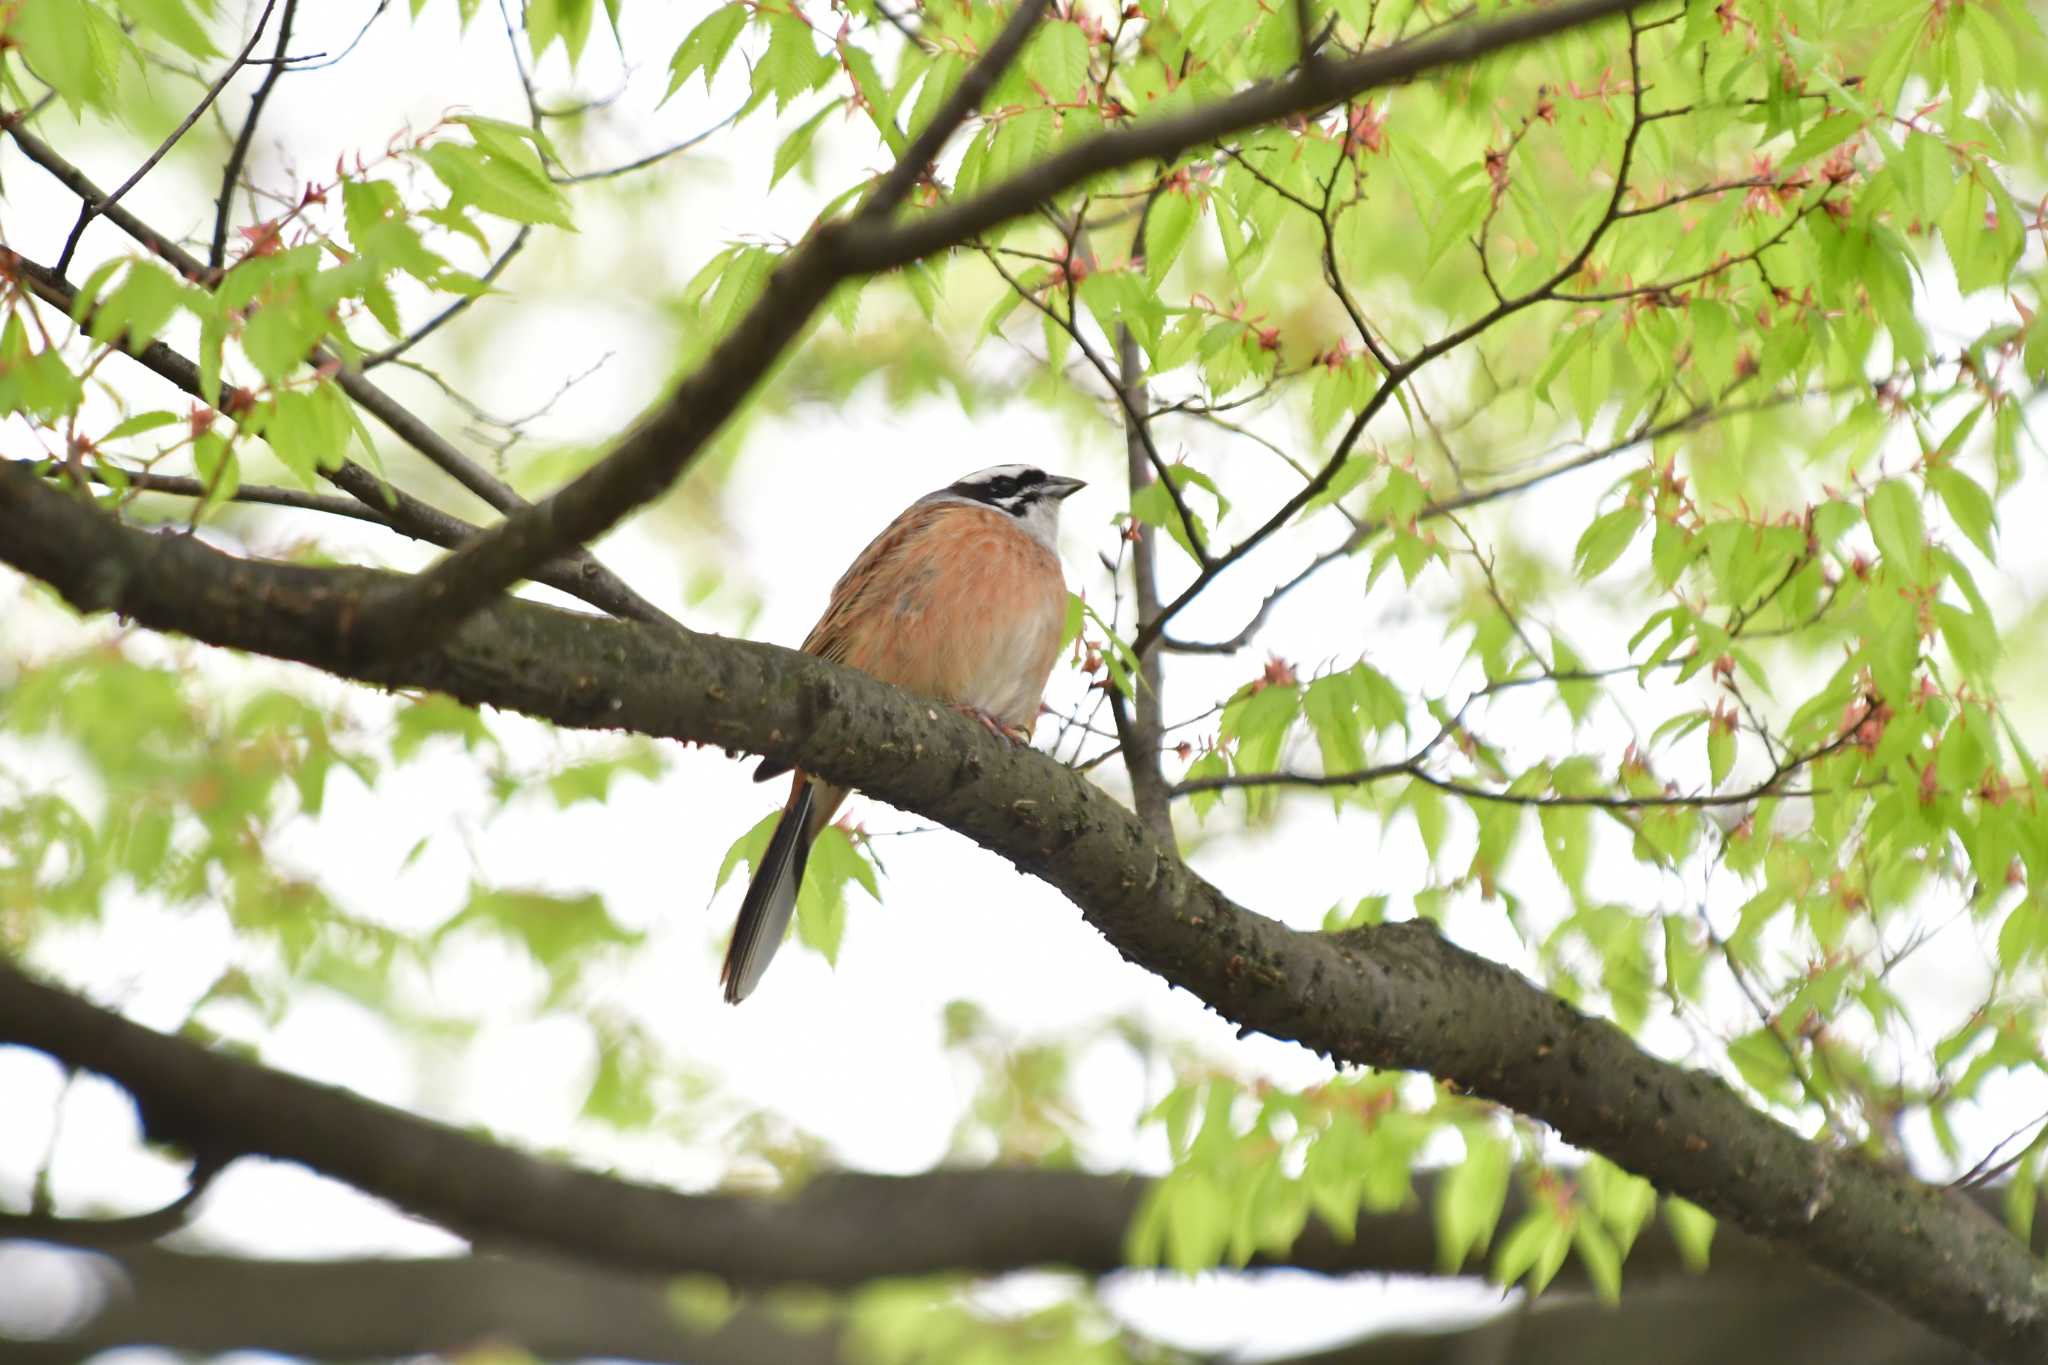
(1002, 487)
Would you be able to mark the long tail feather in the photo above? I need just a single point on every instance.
(771, 896)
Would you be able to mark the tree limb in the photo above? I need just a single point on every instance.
(1396, 995)
(649, 459)
(840, 1229)
(238, 155)
(353, 1309)
(578, 574)
(595, 577)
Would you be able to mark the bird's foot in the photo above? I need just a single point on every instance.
(1018, 735)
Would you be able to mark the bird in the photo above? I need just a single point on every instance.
(960, 599)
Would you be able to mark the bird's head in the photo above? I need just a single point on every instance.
(1024, 491)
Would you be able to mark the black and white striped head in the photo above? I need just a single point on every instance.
(1027, 493)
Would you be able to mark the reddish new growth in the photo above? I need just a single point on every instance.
(1278, 673)
(1864, 720)
(1365, 130)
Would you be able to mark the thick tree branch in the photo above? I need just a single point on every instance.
(1323, 84)
(402, 1309)
(649, 460)
(354, 1309)
(1393, 996)
(839, 1230)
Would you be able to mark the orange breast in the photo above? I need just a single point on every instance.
(956, 602)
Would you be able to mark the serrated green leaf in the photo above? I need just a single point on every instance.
(704, 48)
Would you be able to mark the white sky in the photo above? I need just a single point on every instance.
(852, 1055)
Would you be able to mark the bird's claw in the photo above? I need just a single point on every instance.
(1018, 735)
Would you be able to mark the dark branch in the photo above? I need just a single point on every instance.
(403, 423)
(127, 1230)
(641, 163)
(94, 206)
(180, 486)
(578, 575)
(1396, 995)
(231, 174)
(655, 454)
(915, 163)
(1140, 718)
(455, 309)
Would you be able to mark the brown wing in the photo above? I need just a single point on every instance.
(871, 572)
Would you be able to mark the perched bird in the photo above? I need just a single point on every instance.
(961, 599)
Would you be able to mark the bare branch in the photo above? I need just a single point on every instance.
(578, 575)
(650, 459)
(179, 486)
(127, 1229)
(1140, 717)
(1395, 995)
(453, 310)
(95, 206)
(217, 254)
(643, 162)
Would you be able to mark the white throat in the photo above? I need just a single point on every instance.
(1040, 521)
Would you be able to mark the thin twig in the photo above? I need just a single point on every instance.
(641, 163)
(91, 210)
(216, 256)
(448, 314)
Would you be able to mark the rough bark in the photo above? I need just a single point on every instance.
(1392, 996)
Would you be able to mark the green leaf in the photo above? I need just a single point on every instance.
(1604, 541)
(172, 19)
(705, 46)
(1333, 716)
(1535, 1247)
(1057, 59)
(1895, 523)
(1469, 1200)
(508, 186)
(566, 20)
(797, 146)
(135, 312)
(437, 717)
(1601, 1257)
(792, 65)
(1967, 502)
(821, 901)
(72, 45)
(141, 422)
(1761, 1057)
(592, 780)
(1720, 752)
(1167, 224)
(1153, 505)
(557, 930)
(1692, 1229)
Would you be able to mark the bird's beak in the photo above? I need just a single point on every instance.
(1060, 486)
